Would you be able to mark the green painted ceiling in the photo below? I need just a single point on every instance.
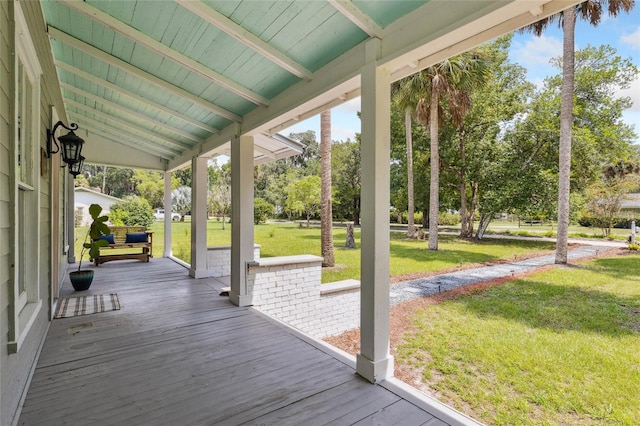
(309, 33)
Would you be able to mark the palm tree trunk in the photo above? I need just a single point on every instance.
(464, 215)
(434, 200)
(410, 200)
(104, 180)
(326, 221)
(566, 119)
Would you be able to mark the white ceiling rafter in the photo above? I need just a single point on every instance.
(315, 111)
(122, 124)
(91, 129)
(129, 112)
(359, 18)
(264, 151)
(104, 83)
(247, 38)
(126, 138)
(163, 50)
(150, 78)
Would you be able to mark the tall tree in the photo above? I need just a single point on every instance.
(450, 85)
(468, 155)
(326, 212)
(407, 93)
(304, 195)
(345, 169)
(591, 10)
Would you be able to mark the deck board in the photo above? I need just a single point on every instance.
(177, 353)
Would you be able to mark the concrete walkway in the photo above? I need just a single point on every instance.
(421, 287)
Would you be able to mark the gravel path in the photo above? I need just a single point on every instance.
(421, 287)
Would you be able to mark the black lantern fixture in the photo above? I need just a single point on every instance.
(76, 168)
(70, 147)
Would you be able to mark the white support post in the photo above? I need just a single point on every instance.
(198, 218)
(71, 217)
(241, 218)
(374, 361)
(167, 215)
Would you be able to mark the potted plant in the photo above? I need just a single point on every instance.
(97, 234)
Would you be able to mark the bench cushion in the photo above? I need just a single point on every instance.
(108, 238)
(137, 238)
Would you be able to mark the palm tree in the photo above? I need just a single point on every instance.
(326, 213)
(407, 94)
(592, 11)
(451, 80)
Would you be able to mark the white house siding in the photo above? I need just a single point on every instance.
(84, 198)
(15, 368)
(5, 96)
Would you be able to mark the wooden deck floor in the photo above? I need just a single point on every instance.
(177, 353)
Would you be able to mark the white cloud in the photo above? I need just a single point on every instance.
(341, 133)
(632, 39)
(352, 106)
(536, 51)
(634, 93)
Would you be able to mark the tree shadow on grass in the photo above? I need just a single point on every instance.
(558, 308)
(621, 267)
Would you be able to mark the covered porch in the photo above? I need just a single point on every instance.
(178, 353)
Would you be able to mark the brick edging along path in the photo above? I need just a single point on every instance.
(421, 287)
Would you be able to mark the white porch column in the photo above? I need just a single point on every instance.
(71, 216)
(241, 218)
(167, 215)
(198, 218)
(374, 362)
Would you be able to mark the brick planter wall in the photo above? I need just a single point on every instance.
(219, 260)
(289, 289)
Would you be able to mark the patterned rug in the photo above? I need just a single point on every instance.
(85, 305)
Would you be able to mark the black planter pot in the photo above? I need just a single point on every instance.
(81, 280)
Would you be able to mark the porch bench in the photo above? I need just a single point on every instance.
(135, 239)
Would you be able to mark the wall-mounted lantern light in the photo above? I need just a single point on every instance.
(70, 147)
(76, 168)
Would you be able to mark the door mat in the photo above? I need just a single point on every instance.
(85, 305)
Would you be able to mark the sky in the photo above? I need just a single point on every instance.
(533, 53)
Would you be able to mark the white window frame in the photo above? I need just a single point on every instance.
(26, 302)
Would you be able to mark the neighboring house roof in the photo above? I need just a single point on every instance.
(97, 194)
(631, 201)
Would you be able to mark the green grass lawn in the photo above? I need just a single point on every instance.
(559, 347)
(407, 256)
(549, 230)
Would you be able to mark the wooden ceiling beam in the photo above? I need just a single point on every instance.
(359, 18)
(125, 137)
(105, 57)
(129, 112)
(130, 127)
(137, 98)
(165, 51)
(245, 37)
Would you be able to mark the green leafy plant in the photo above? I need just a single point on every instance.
(634, 246)
(97, 229)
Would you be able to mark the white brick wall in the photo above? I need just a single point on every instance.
(289, 289)
(219, 260)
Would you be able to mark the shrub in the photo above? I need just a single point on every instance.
(448, 219)
(634, 247)
(261, 210)
(133, 211)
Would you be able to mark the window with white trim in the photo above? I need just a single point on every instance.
(27, 300)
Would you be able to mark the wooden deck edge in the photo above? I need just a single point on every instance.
(431, 405)
(180, 262)
(32, 371)
(407, 392)
(330, 350)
